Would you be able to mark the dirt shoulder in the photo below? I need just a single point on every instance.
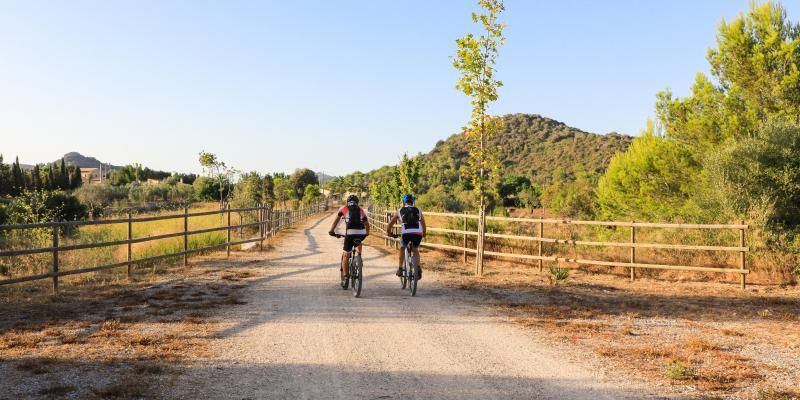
(704, 339)
(117, 339)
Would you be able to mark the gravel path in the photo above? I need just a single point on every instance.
(301, 336)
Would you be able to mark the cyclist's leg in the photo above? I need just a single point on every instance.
(348, 247)
(345, 257)
(400, 256)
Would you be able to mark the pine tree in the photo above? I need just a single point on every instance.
(36, 178)
(76, 180)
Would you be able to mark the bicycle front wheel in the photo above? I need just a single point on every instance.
(404, 275)
(412, 280)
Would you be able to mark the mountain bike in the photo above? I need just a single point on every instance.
(410, 269)
(355, 266)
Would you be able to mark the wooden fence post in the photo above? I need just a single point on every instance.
(130, 237)
(261, 227)
(633, 250)
(270, 221)
(228, 243)
(742, 258)
(541, 237)
(185, 236)
(55, 255)
(465, 237)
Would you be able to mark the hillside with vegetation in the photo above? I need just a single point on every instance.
(534, 154)
(535, 147)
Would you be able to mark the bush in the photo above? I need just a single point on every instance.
(574, 199)
(66, 207)
(762, 174)
(3, 215)
(207, 189)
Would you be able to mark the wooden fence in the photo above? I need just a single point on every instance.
(379, 217)
(268, 222)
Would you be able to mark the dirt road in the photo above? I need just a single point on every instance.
(301, 336)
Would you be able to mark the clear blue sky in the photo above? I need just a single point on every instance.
(333, 86)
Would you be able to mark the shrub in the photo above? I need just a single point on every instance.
(678, 371)
(558, 275)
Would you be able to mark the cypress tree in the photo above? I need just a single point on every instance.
(63, 177)
(36, 178)
(18, 177)
(51, 177)
(5, 178)
(75, 180)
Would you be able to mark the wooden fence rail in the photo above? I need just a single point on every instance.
(379, 217)
(269, 222)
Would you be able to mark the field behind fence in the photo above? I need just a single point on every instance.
(636, 247)
(50, 250)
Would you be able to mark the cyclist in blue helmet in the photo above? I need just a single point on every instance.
(412, 229)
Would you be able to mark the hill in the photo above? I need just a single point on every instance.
(536, 147)
(82, 161)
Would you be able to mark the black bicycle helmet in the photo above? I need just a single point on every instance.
(352, 200)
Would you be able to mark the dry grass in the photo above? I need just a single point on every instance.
(119, 335)
(716, 338)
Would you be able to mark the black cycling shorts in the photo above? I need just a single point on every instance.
(349, 241)
(412, 238)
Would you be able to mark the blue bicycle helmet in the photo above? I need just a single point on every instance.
(408, 198)
(352, 200)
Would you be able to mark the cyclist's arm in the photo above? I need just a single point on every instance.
(424, 226)
(391, 225)
(335, 222)
(366, 226)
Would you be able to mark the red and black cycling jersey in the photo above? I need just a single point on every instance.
(355, 219)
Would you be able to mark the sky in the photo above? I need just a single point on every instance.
(327, 85)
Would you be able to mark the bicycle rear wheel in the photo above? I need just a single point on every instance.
(355, 273)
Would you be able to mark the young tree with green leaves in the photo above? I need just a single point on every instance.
(408, 173)
(475, 59)
(284, 191)
(311, 193)
(268, 189)
(217, 170)
(301, 178)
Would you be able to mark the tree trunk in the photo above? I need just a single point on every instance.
(481, 230)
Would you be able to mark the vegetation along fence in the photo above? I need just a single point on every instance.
(262, 221)
(458, 233)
